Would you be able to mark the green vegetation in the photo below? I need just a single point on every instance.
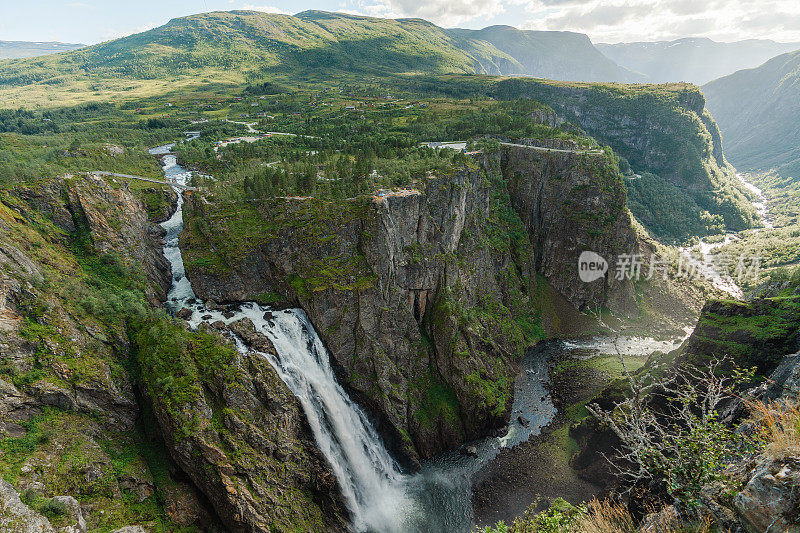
(225, 49)
(683, 146)
(174, 363)
(783, 196)
(669, 211)
(75, 290)
(439, 404)
(559, 517)
(58, 444)
(318, 180)
(340, 142)
(355, 133)
(757, 333)
(776, 248)
(757, 111)
(341, 153)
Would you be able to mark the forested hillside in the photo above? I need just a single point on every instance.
(758, 111)
(679, 181)
(230, 48)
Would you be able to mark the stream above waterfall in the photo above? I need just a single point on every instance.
(380, 497)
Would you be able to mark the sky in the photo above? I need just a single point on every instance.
(93, 21)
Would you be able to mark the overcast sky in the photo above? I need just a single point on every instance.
(92, 21)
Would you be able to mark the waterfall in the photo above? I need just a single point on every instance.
(379, 497)
(373, 487)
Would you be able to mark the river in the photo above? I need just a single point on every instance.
(701, 256)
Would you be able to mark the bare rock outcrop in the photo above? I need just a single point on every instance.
(16, 517)
(117, 223)
(68, 407)
(770, 501)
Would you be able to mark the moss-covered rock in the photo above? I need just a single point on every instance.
(68, 409)
(426, 299)
(662, 129)
(756, 333)
(235, 428)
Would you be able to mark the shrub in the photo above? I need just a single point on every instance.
(670, 429)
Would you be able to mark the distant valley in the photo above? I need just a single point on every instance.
(693, 60)
(22, 49)
(757, 111)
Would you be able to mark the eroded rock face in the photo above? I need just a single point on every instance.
(736, 329)
(75, 358)
(118, 224)
(771, 499)
(252, 453)
(424, 300)
(64, 384)
(664, 130)
(570, 204)
(77, 524)
(784, 382)
(17, 517)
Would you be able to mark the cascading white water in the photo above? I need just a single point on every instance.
(370, 480)
(380, 498)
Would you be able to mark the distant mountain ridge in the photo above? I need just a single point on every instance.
(693, 60)
(556, 55)
(252, 44)
(758, 112)
(22, 49)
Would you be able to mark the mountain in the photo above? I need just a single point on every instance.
(694, 60)
(20, 49)
(247, 45)
(557, 55)
(758, 112)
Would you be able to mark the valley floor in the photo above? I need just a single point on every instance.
(539, 471)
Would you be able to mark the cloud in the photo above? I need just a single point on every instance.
(117, 34)
(443, 13)
(265, 9)
(609, 20)
(650, 20)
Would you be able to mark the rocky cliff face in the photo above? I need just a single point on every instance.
(63, 358)
(85, 414)
(237, 431)
(662, 129)
(757, 333)
(570, 204)
(426, 300)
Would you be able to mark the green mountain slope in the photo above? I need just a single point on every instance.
(659, 129)
(693, 60)
(20, 49)
(558, 55)
(243, 46)
(758, 111)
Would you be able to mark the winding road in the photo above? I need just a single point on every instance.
(558, 150)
